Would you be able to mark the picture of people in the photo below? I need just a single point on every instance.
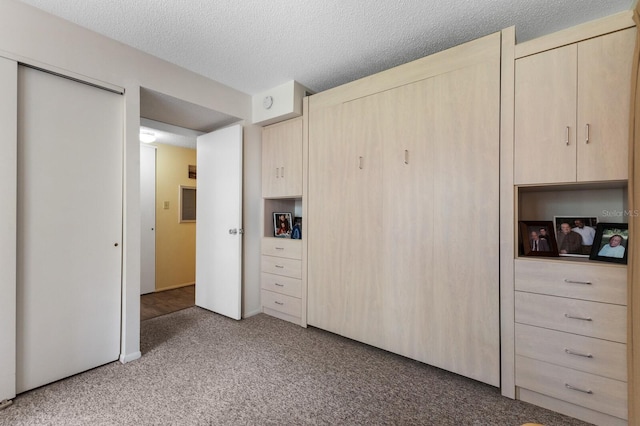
(575, 234)
(538, 239)
(611, 242)
(282, 225)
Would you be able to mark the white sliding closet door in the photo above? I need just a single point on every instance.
(69, 235)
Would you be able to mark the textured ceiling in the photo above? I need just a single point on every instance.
(254, 45)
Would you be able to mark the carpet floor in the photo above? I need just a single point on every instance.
(199, 368)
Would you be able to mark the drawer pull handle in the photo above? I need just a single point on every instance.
(578, 318)
(280, 285)
(279, 303)
(282, 248)
(279, 266)
(577, 282)
(570, 352)
(568, 386)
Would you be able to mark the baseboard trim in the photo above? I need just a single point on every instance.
(252, 313)
(125, 358)
(173, 287)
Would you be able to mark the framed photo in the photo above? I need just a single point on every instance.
(611, 243)
(537, 238)
(282, 225)
(192, 172)
(575, 234)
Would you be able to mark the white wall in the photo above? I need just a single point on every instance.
(32, 36)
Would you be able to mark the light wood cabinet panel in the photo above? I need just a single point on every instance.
(545, 117)
(282, 159)
(592, 319)
(465, 320)
(607, 395)
(599, 283)
(327, 245)
(604, 73)
(595, 356)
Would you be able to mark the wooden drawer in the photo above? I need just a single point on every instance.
(607, 321)
(608, 359)
(282, 247)
(607, 395)
(281, 266)
(284, 285)
(568, 279)
(281, 303)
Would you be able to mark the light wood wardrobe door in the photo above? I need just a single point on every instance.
(408, 218)
(361, 206)
(545, 107)
(464, 336)
(604, 72)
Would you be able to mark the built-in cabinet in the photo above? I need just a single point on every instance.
(570, 149)
(402, 168)
(283, 289)
(572, 111)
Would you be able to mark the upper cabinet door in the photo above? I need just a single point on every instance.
(545, 117)
(604, 76)
(282, 159)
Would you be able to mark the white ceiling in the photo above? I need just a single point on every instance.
(254, 45)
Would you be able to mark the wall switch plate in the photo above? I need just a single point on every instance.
(166, 205)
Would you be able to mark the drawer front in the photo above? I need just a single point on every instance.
(569, 279)
(606, 395)
(592, 319)
(283, 285)
(281, 266)
(596, 356)
(281, 303)
(282, 247)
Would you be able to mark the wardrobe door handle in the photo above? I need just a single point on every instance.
(566, 136)
(360, 162)
(277, 172)
(570, 352)
(282, 172)
(586, 140)
(406, 156)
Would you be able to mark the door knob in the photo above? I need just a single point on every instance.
(233, 231)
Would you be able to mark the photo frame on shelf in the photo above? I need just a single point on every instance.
(282, 225)
(296, 232)
(611, 243)
(537, 238)
(575, 234)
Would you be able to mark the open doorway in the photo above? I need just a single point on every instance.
(170, 258)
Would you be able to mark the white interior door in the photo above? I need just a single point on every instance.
(148, 219)
(69, 249)
(219, 222)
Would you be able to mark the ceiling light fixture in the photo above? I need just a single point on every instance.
(147, 137)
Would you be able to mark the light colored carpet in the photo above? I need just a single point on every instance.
(199, 368)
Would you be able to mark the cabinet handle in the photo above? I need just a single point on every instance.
(406, 156)
(279, 303)
(282, 285)
(570, 352)
(566, 136)
(577, 282)
(586, 140)
(360, 163)
(277, 172)
(578, 318)
(279, 248)
(568, 386)
(281, 267)
(282, 172)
